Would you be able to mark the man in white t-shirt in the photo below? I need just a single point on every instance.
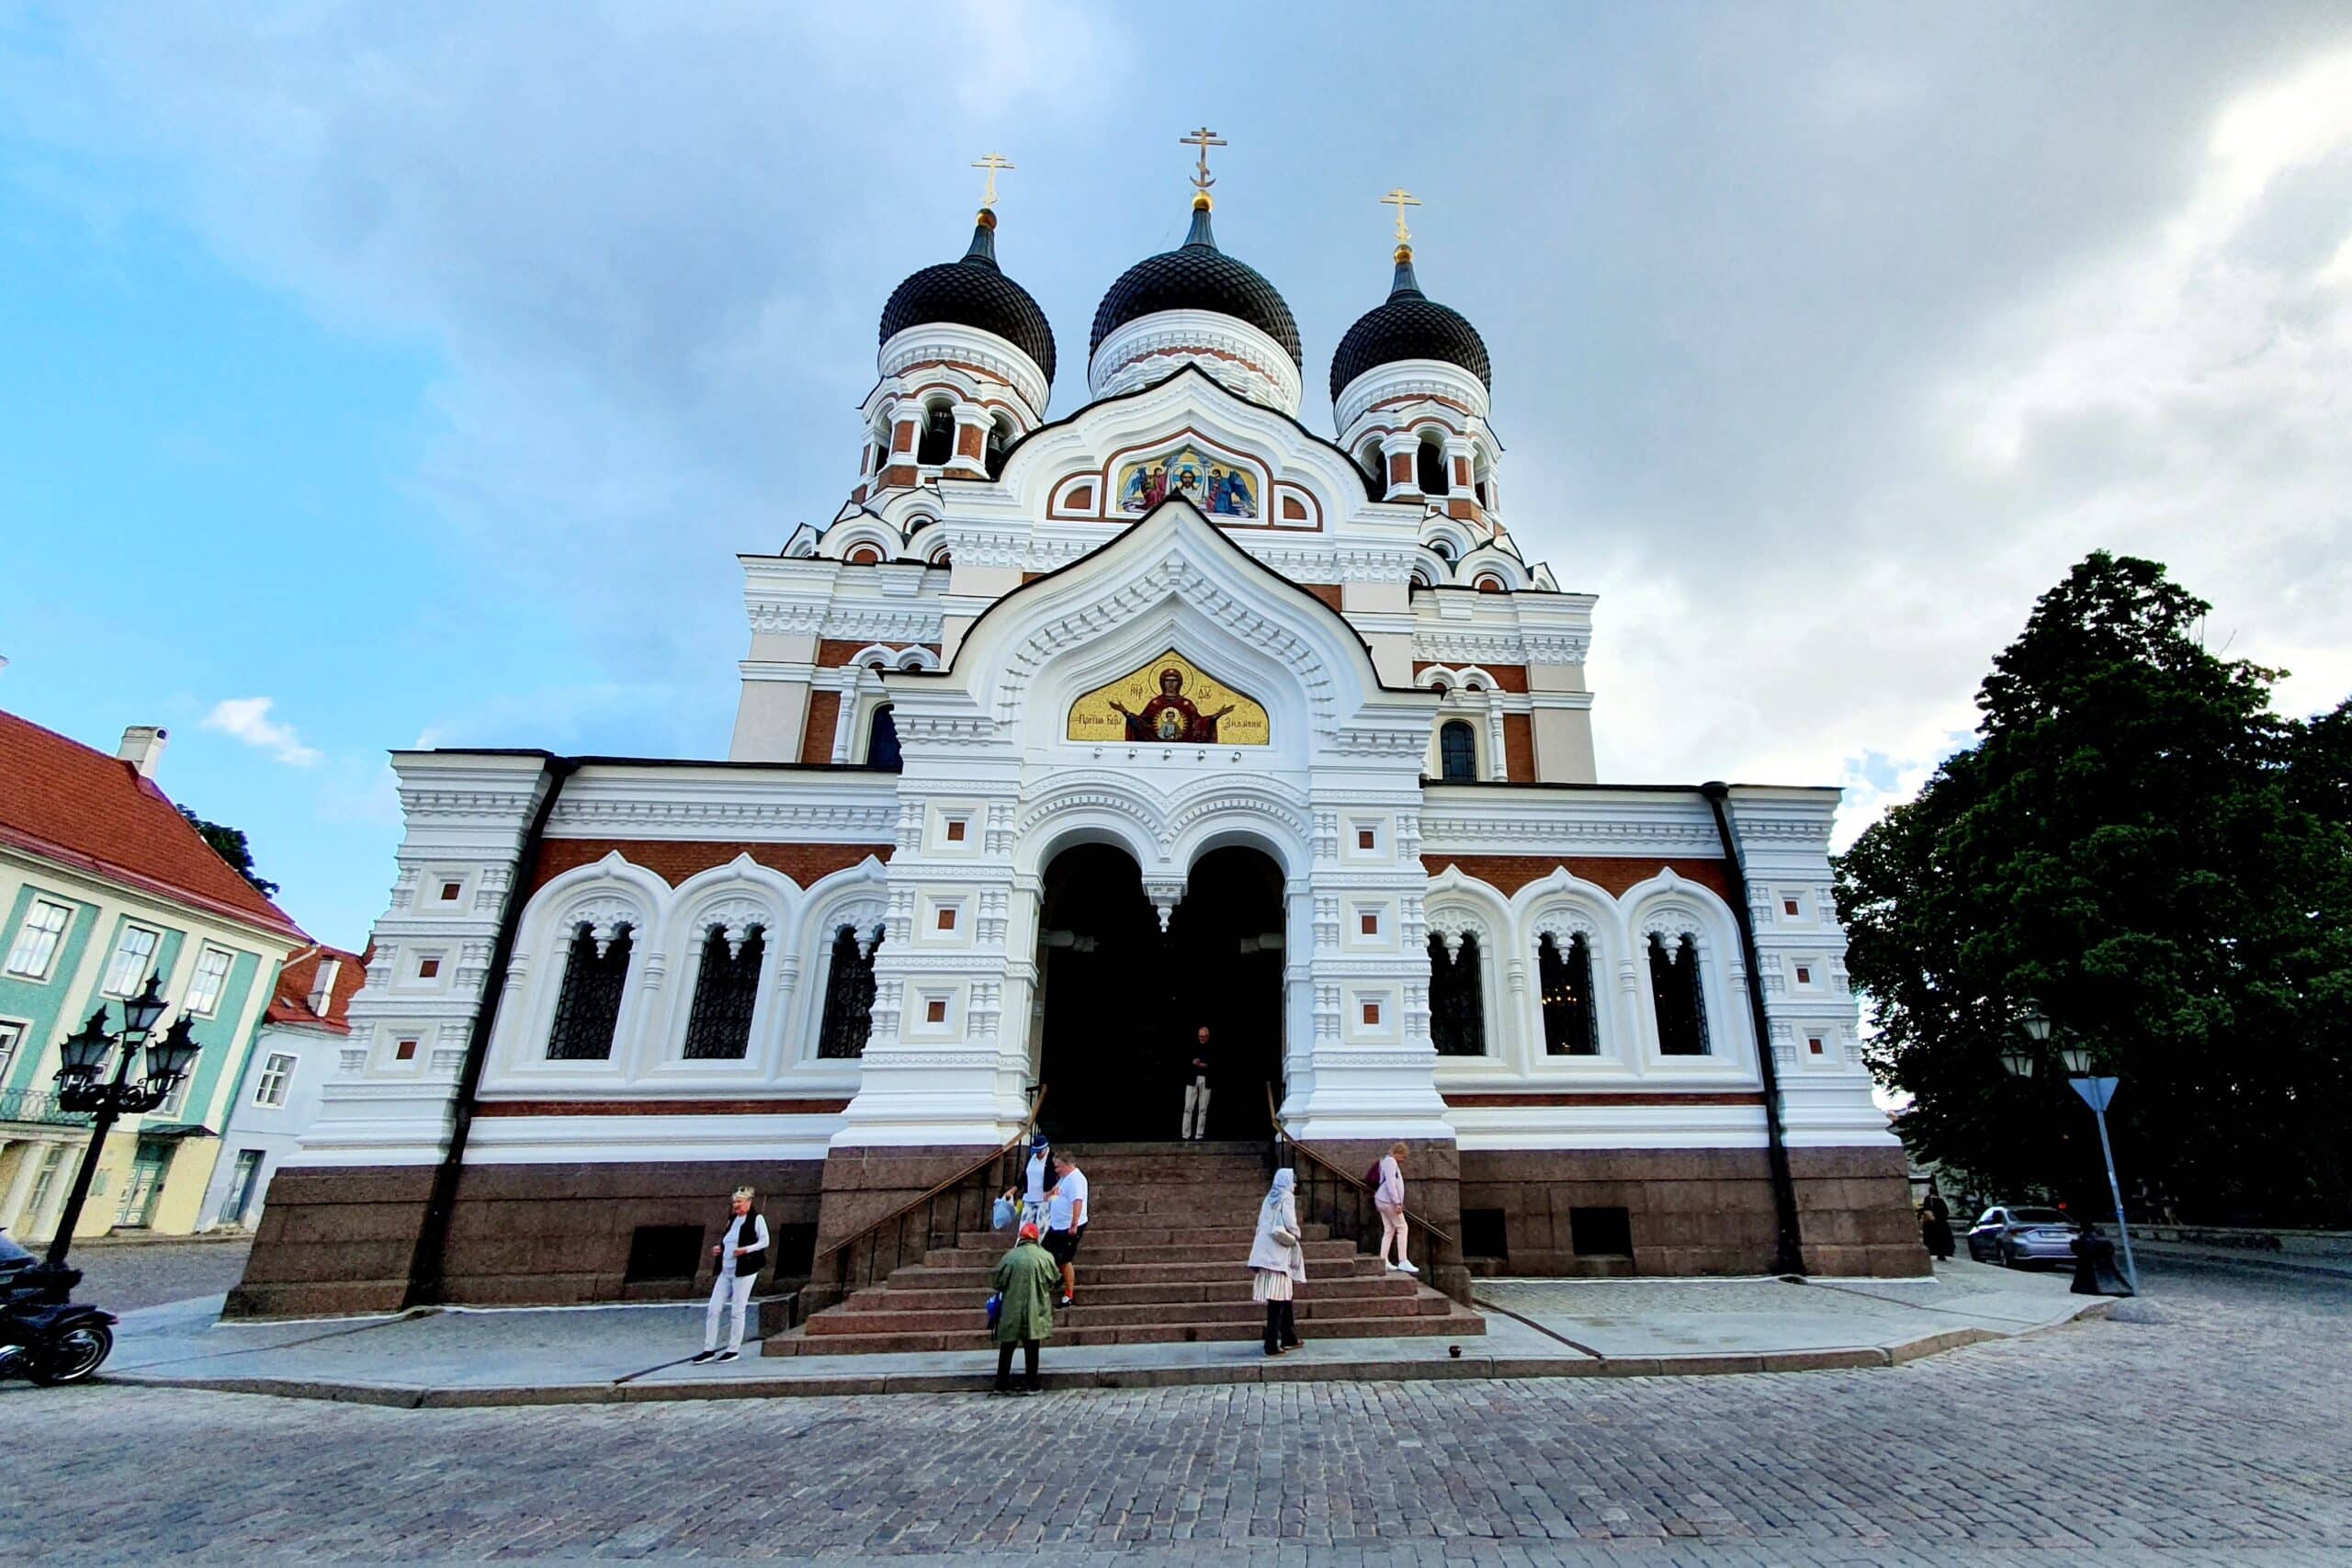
(1066, 1216)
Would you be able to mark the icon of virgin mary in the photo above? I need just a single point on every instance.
(1172, 716)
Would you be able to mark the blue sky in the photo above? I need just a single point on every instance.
(386, 375)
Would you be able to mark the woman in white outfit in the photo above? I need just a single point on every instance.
(1278, 1264)
(741, 1252)
(1390, 1199)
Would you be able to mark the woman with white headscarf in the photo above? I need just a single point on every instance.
(1278, 1263)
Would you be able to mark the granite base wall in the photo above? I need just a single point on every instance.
(341, 1240)
(1695, 1212)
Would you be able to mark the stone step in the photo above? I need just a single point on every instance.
(1174, 1296)
(925, 1276)
(853, 1320)
(1096, 1253)
(1452, 1321)
(1140, 1230)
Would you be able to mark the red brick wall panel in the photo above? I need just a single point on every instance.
(1507, 873)
(674, 860)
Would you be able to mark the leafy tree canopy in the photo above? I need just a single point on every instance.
(229, 844)
(2137, 845)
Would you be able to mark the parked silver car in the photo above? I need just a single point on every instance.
(2016, 1236)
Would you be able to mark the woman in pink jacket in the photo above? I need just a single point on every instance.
(1390, 1199)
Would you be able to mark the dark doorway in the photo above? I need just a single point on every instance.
(1122, 1001)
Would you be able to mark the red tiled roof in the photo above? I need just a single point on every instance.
(291, 1005)
(64, 802)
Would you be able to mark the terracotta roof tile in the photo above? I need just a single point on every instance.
(291, 1005)
(64, 802)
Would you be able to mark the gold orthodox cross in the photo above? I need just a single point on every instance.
(1204, 139)
(991, 162)
(1400, 199)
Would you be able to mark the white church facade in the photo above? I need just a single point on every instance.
(1064, 740)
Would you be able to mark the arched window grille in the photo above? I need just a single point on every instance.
(938, 441)
(1571, 1025)
(1457, 998)
(1682, 1005)
(588, 1008)
(727, 989)
(1430, 469)
(882, 742)
(1457, 751)
(849, 997)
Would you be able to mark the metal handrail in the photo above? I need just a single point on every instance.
(40, 1106)
(962, 1186)
(1354, 1183)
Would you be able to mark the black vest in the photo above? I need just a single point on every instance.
(754, 1260)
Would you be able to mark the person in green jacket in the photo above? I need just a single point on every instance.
(1025, 1279)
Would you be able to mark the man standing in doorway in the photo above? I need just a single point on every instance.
(1066, 1217)
(1196, 1089)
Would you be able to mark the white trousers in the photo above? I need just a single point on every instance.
(726, 1288)
(1196, 1108)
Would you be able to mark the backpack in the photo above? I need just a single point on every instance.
(1372, 1176)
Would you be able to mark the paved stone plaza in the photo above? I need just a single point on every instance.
(2209, 1421)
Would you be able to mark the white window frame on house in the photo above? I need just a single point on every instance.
(12, 1038)
(21, 962)
(178, 1098)
(121, 950)
(323, 985)
(200, 1001)
(274, 1077)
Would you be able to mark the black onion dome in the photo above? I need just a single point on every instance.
(1196, 276)
(974, 292)
(1409, 326)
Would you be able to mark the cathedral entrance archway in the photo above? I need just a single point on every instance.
(1121, 1000)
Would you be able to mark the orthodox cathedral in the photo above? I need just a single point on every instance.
(1060, 743)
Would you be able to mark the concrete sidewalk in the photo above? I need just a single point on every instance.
(1535, 1328)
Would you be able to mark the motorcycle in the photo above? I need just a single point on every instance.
(44, 1334)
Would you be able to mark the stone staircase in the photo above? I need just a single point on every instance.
(1166, 1262)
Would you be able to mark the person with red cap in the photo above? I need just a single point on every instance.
(1025, 1279)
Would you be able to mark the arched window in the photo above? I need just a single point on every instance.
(938, 441)
(1369, 455)
(849, 997)
(727, 988)
(1457, 998)
(588, 1008)
(882, 742)
(1457, 752)
(1490, 583)
(943, 558)
(1674, 992)
(1430, 469)
(1443, 549)
(1000, 443)
(1570, 1025)
(863, 554)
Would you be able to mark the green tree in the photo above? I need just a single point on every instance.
(229, 844)
(2140, 846)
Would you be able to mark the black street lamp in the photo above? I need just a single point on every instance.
(85, 1053)
(2096, 1092)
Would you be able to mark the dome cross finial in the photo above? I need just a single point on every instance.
(1204, 139)
(991, 162)
(1401, 198)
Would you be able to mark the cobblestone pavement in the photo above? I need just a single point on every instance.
(2207, 1423)
(122, 1276)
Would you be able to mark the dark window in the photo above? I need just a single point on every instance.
(1479, 489)
(1674, 991)
(1600, 1233)
(795, 1249)
(1000, 443)
(664, 1252)
(1484, 1234)
(1570, 1025)
(1457, 1000)
(938, 438)
(849, 998)
(726, 989)
(588, 1008)
(882, 742)
(1432, 468)
(1457, 752)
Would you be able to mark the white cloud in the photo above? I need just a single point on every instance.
(247, 720)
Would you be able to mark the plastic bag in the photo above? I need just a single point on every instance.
(996, 1305)
(1003, 1216)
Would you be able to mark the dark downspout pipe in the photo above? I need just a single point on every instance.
(424, 1268)
(1790, 1246)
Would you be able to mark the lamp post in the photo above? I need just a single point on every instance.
(84, 1055)
(2097, 1092)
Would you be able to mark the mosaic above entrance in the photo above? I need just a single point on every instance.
(1169, 701)
(1215, 485)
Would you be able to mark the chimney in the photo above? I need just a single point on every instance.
(143, 748)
